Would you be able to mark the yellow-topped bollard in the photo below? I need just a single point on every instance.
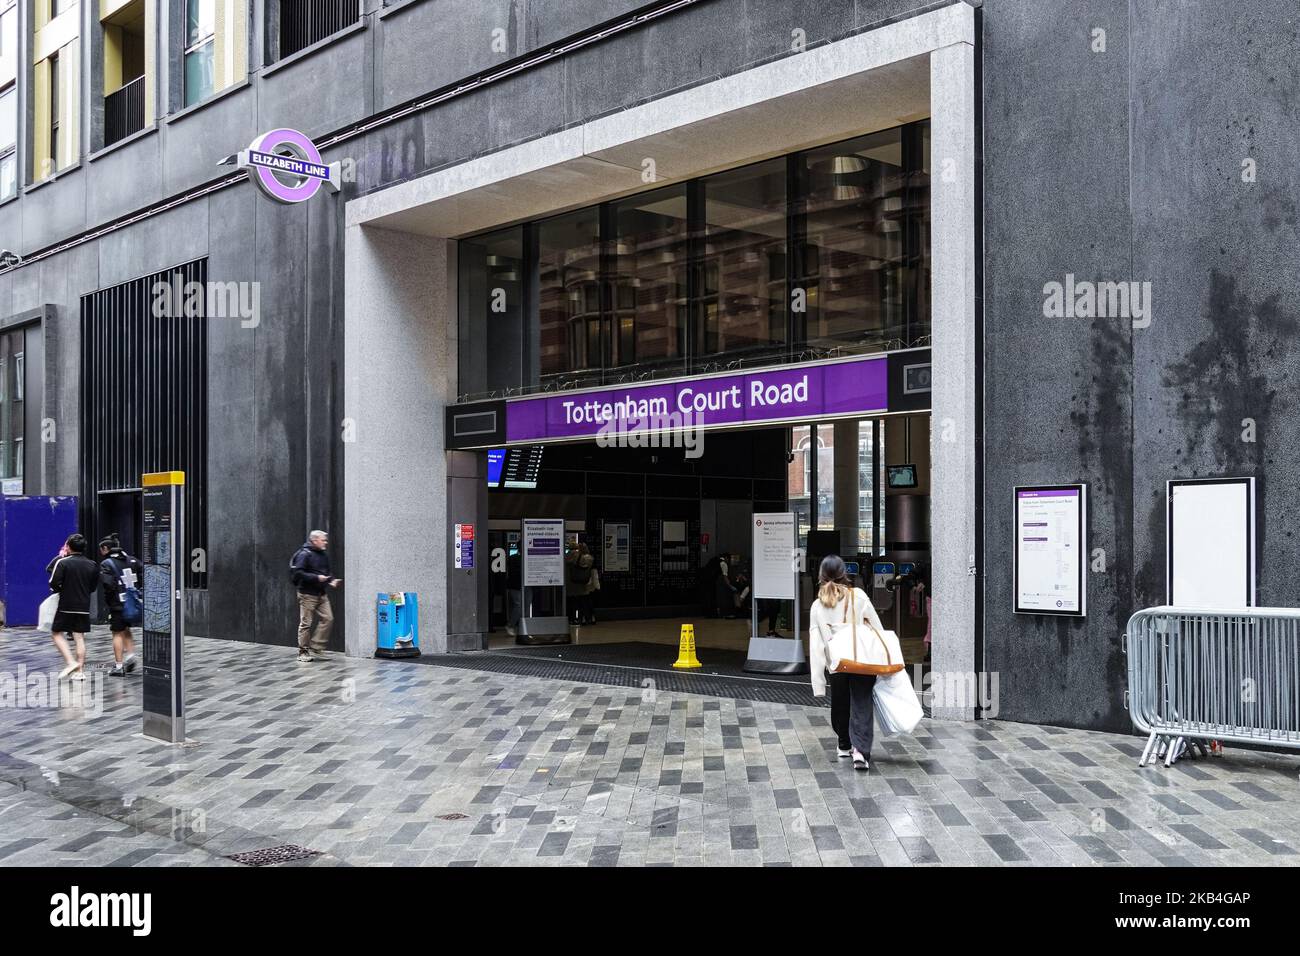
(686, 650)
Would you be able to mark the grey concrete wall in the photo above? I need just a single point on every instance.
(1114, 165)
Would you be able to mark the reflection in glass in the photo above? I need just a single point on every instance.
(799, 480)
(649, 266)
(825, 476)
(864, 257)
(568, 297)
(491, 312)
(741, 306)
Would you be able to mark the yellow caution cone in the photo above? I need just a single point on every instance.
(686, 651)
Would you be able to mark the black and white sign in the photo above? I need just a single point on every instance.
(775, 556)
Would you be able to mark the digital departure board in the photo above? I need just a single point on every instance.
(522, 467)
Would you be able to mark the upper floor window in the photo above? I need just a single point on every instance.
(55, 97)
(200, 45)
(9, 142)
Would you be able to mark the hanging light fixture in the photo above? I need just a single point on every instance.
(846, 173)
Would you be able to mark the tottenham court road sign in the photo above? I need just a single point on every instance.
(287, 166)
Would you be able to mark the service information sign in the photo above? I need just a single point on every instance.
(543, 553)
(1051, 550)
(775, 556)
(618, 546)
(464, 546)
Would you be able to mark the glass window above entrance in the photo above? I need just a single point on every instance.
(812, 255)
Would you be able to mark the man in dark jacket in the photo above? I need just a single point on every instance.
(310, 569)
(74, 578)
(117, 572)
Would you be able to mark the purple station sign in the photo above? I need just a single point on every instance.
(855, 386)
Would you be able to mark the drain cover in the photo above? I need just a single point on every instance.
(453, 816)
(275, 854)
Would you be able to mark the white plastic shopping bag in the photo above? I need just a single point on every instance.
(45, 616)
(898, 709)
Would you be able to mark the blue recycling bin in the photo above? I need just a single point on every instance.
(397, 619)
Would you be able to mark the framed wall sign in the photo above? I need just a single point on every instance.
(1210, 543)
(1051, 550)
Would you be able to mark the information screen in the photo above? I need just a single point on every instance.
(496, 458)
(1051, 550)
(522, 467)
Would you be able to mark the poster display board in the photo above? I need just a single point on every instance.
(618, 546)
(775, 556)
(1210, 543)
(162, 594)
(1051, 549)
(463, 539)
(543, 552)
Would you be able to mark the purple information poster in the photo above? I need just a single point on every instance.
(852, 387)
(543, 553)
(1051, 550)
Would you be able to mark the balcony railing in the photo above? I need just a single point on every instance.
(124, 111)
(304, 22)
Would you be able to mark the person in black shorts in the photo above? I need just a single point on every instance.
(117, 571)
(74, 578)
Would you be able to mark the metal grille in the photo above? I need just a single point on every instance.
(289, 853)
(304, 22)
(144, 402)
(124, 111)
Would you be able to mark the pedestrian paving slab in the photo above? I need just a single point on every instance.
(373, 762)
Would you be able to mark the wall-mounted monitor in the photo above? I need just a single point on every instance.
(496, 459)
(902, 476)
(522, 467)
(1051, 524)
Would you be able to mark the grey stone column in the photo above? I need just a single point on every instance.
(953, 425)
(399, 375)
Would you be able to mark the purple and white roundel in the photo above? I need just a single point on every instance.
(287, 143)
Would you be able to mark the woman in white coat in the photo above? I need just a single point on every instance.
(837, 599)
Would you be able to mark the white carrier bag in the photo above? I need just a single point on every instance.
(898, 709)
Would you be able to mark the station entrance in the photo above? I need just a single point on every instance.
(657, 537)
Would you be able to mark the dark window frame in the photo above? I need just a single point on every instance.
(795, 347)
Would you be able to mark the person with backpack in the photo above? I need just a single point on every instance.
(119, 577)
(578, 582)
(310, 571)
(74, 578)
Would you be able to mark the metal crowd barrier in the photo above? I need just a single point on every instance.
(1200, 674)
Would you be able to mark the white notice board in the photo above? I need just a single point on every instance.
(543, 552)
(1051, 549)
(1210, 543)
(775, 556)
